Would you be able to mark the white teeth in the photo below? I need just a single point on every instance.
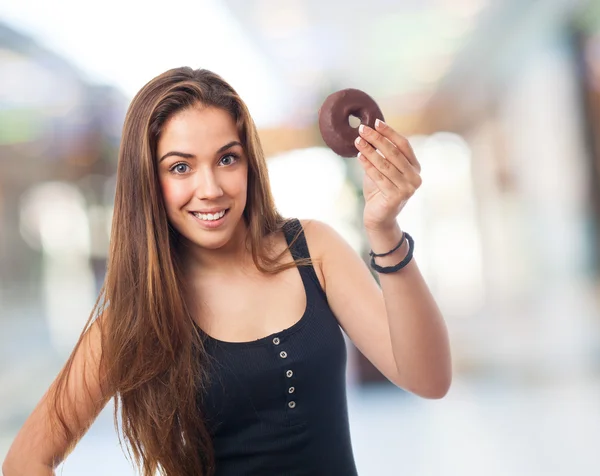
(210, 216)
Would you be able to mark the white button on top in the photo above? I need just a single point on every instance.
(292, 404)
(283, 354)
(291, 390)
(289, 374)
(276, 340)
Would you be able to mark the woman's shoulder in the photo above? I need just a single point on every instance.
(329, 251)
(320, 236)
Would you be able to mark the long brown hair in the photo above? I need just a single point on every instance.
(153, 360)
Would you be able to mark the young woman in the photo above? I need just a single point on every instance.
(218, 328)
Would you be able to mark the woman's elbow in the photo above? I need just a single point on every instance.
(436, 393)
(439, 389)
(433, 389)
(10, 466)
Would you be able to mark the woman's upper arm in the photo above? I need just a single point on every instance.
(41, 441)
(353, 295)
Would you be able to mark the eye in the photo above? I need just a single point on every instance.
(179, 168)
(228, 159)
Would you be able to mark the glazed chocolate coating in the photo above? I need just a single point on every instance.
(335, 129)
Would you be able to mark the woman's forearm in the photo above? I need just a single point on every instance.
(417, 329)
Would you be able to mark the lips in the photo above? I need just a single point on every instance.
(211, 220)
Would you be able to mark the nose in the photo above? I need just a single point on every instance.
(207, 185)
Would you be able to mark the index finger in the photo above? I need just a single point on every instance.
(399, 141)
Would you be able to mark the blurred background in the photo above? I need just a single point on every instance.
(501, 101)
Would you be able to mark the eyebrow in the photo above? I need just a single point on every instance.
(184, 155)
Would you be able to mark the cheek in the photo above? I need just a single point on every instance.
(235, 185)
(173, 193)
(244, 181)
(242, 189)
(243, 186)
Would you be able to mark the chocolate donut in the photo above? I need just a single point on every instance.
(334, 114)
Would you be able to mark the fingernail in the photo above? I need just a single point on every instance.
(361, 128)
(358, 141)
(378, 123)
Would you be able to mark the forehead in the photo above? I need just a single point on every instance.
(197, 130)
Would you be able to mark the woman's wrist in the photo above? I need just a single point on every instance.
(382, 241)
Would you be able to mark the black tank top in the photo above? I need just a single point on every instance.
(277, 405)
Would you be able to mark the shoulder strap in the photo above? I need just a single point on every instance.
(296, 240)
(294, 235)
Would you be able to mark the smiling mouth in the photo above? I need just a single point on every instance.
(210, 216)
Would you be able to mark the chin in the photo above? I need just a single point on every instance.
(212, 243)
